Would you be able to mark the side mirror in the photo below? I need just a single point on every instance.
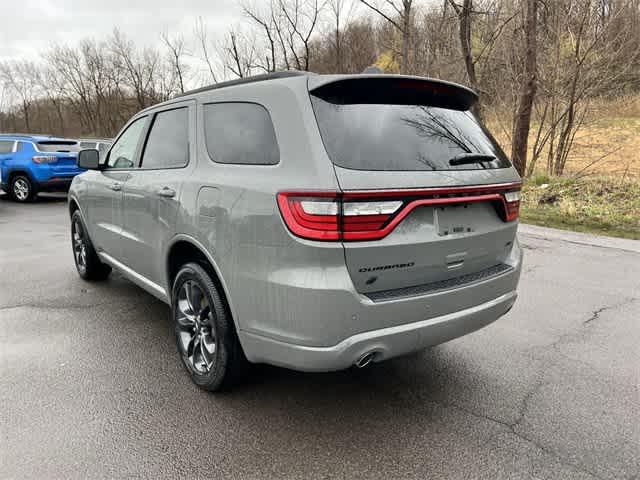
(89, 159)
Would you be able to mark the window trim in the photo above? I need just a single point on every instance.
(273, 126)
(143, 134)
(151, 122)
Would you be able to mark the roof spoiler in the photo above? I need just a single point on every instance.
(392, 89)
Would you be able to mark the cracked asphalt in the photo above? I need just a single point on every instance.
(91, 385)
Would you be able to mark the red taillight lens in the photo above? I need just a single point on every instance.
(327, 216)
(353, 216)
(311, 215)
(44, 159)
(512, 205)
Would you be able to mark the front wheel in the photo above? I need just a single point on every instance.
(205, 334)
(22, 189)
(88, 264)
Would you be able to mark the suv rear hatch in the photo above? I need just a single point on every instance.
(61, 155)
(429, 201)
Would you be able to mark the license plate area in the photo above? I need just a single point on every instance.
(452, 220)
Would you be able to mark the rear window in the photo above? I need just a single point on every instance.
(6, 146)
(240, 133)
(58, 146)
(402, 137)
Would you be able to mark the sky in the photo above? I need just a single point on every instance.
(39, 24)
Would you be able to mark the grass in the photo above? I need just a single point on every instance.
(600, 190)
(603, 205)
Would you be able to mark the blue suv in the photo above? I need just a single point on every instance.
(36, 163)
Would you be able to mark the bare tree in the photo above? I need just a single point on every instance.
(267, 24)
(176, 48)
(19, 78)
(402, 11)
(528, 88)
(203, 41)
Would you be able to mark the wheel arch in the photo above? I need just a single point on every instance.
(19, 171)
(73, 206)
(184, 247)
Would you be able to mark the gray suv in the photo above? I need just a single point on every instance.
(313, 222)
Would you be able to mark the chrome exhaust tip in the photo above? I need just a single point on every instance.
(365, 359)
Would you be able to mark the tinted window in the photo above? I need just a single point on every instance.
(6, 146)
(168, 141)
(123, 153)
(240, 133)
(403, 137)
(58, 146)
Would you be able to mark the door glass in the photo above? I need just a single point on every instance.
(6, 146)
(168, 142)
(123, 153)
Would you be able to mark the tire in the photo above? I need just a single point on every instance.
(22, 189)
(205, 335)
(88, 264)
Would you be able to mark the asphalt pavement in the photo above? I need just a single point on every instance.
(91, 385)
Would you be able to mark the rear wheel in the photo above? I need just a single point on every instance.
(205, 334)
(86, 259)
(22, 189)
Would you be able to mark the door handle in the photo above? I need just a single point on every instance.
(116, 186)
(166, 192)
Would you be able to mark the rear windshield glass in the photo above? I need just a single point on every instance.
(58, 146)
(404, 137)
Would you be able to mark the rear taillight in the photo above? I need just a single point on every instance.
(372, 215)
(512, 205)
(44, 159)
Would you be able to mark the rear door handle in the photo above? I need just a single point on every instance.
(116, 186)
(166, 192)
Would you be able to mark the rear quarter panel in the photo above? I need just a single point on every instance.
(232, 211)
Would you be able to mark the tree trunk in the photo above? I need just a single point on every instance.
(464, 16)
(522, 121)
(406, 36)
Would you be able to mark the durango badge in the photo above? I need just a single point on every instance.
(387, 267)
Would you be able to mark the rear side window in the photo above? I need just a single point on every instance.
(394, 132)
(58, 146)
(240, 133)
(168, 141)
(6, 146)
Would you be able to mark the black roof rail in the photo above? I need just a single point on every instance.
(242, 81)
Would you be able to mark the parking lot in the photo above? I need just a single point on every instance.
(91, 385)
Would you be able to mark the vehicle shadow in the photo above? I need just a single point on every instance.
(360, 416)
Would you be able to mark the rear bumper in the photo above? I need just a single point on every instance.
(386, 342)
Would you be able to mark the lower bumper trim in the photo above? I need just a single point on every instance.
(387, 342)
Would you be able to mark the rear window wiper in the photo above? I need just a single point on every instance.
(466, 158)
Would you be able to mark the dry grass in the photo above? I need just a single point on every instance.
(600, 190)
(607, 144)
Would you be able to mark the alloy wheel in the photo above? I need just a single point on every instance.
(195, 327)
(21, 189)
(79, 246)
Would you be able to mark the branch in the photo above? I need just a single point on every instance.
(382, 14)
